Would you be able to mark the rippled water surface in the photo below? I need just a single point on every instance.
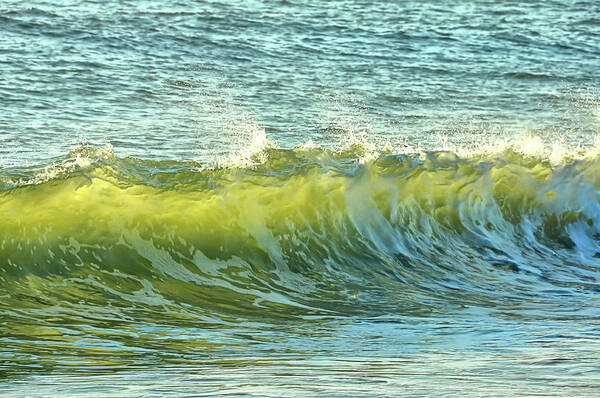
(299, 198)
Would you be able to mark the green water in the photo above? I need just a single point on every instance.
(350, 198)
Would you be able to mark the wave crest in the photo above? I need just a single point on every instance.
(307, 230)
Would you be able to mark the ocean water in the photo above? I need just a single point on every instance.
(345, 198)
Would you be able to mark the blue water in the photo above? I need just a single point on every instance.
(299, 198)
(172, 81)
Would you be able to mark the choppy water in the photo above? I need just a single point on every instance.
(274, 199)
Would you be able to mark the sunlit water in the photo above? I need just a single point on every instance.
(299, 198)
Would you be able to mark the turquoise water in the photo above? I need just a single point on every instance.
(299, 199)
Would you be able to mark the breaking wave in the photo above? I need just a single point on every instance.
(303, 232)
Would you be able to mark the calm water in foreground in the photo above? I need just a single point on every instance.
(348, 198)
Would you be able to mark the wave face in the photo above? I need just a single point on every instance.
(96, 248)
(308, 231)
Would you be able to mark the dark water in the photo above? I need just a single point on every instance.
(299, 199)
